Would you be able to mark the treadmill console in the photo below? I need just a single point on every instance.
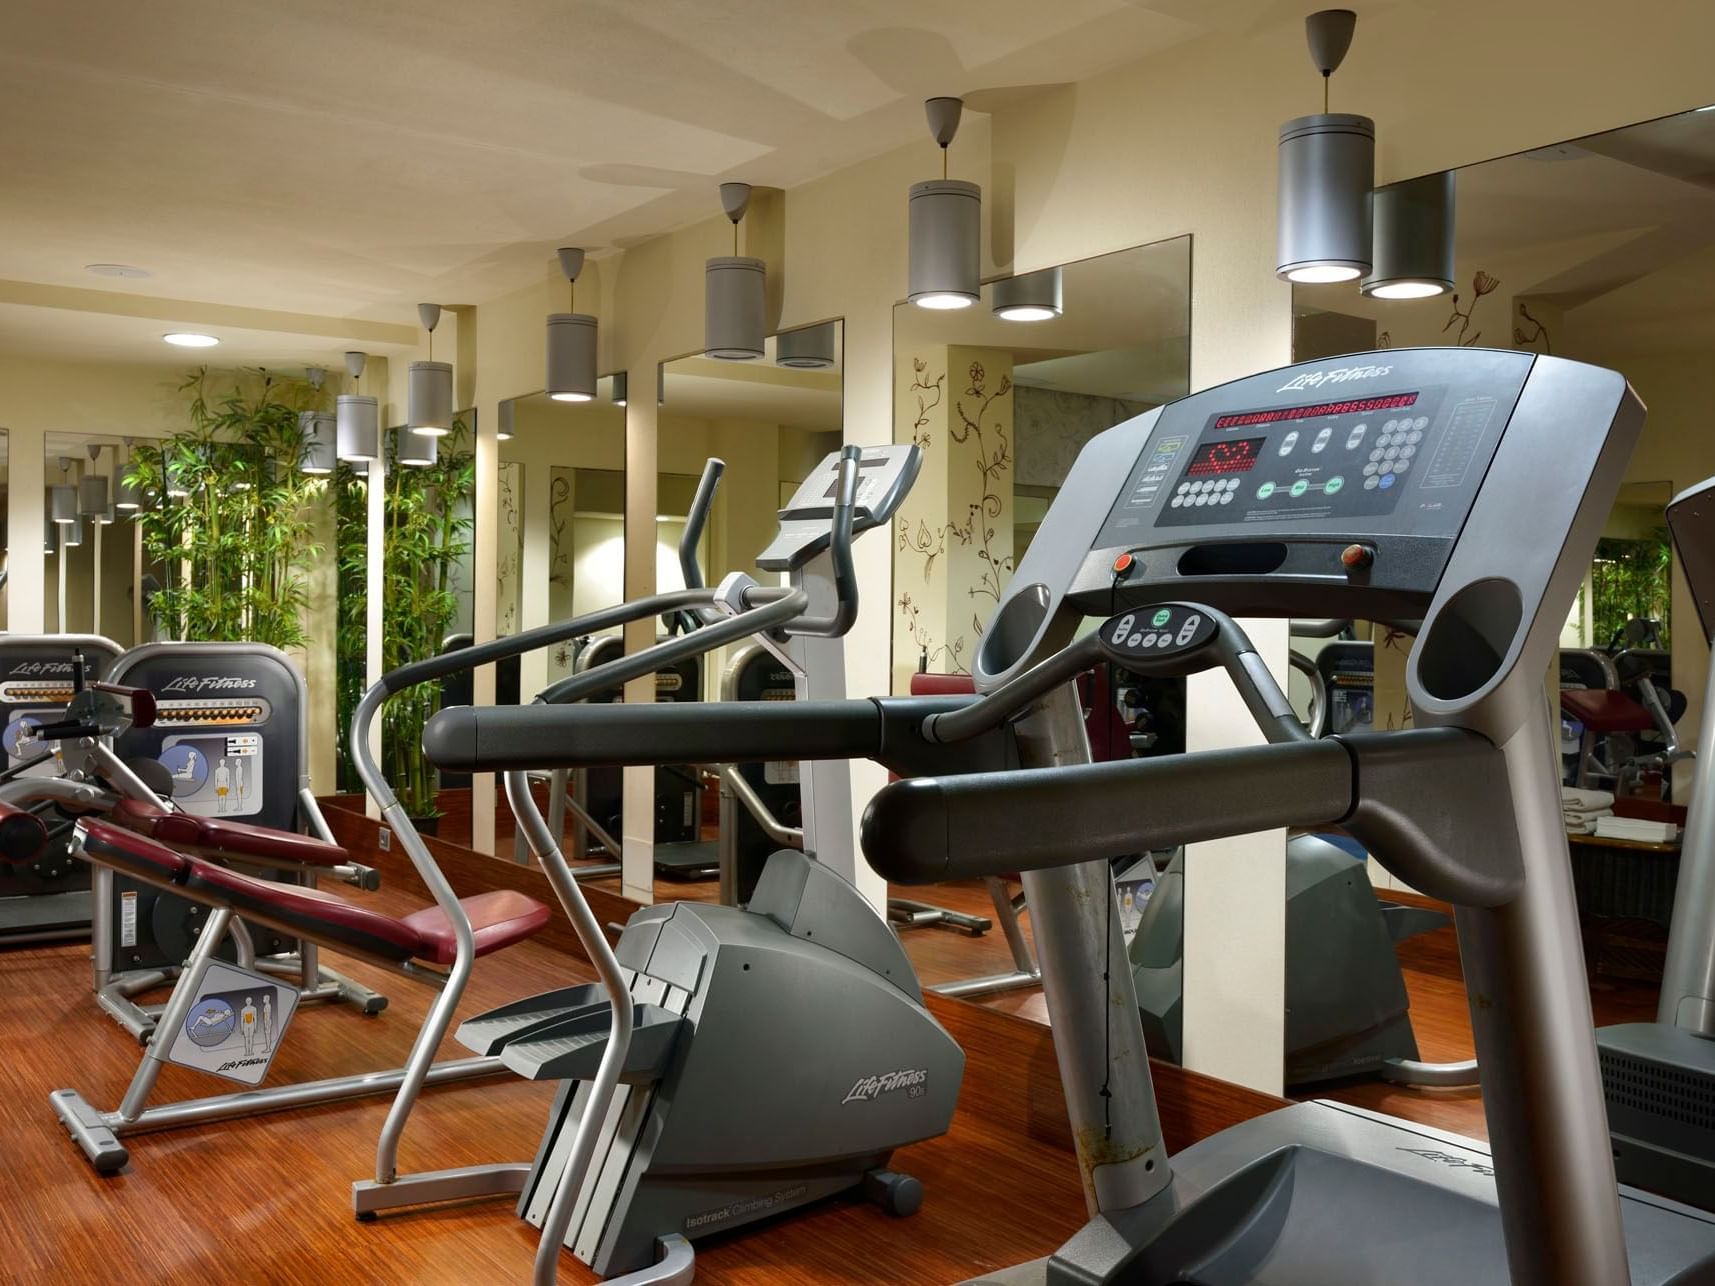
(885, 475)
(1352, 473)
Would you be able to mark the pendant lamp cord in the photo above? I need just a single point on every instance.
(1327, 79)
(943, 162)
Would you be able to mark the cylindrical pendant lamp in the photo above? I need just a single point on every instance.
(504, 425)
(735, 307)
(127, 496)
(429, 394)
(1032, 296)
(50, 533)
(416, 450)
(811, 348)
(946, 242)
(620, 383)
(71, 533)
(571, 357)
(1327, 168)
(92, 496)
(357, 434)
(62, 503)
(319, 431)
(1413, 239)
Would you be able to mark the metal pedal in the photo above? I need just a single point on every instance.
(488, 1033)
(572, 1050)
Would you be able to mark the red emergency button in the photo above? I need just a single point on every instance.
(1122, 564)
(1357, 558)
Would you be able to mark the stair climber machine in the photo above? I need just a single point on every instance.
(48, 897)
(763, 1058)
(1257, 498)
(1659, 1077)
(229, 743)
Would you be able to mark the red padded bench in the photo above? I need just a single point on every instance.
(498, 919)
(257, 844)
(1604, 710)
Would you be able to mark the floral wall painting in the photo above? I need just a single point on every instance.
(1464, 319)
(510, 534)
(953, 536)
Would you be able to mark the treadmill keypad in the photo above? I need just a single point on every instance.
(1157, 633)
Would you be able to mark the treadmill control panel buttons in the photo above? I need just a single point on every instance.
(1156, 634)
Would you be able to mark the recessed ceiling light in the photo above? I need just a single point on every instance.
(115, 270)
(190, 339)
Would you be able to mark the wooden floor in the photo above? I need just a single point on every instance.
(267, 1199)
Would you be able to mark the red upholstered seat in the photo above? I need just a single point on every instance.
(124, 850)
(225, 838)
(1605, 710)
(498, 919)
(942, 685)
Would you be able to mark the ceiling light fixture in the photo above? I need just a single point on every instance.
(189, 339)
(571, 339)
(127, 496)
(62, 499)
(71, 535)
(1032, 296)
(357, 417)
(415, 450)
(503, 426)
(810, 348)
(92, 493)
(1327, 168)
(945, 225)
(116, 270)
(50, 533)
(620, 388)
(735, 292)
(320, 432)
(429, 385)
(1413, 246)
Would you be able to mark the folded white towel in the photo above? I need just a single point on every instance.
(1586, 813)
(1580, 826)
(1636, 828)
(1585, 800)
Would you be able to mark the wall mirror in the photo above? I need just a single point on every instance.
(428, 490)
(771, 420)
(1001, 397)
(1600, 249)
(99, 578)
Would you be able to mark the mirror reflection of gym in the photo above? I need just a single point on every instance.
(98, 580)
(1001, 397)
(560, 524)
(771, 420)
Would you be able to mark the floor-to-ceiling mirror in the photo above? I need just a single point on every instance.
(560, 528)
(1599, 249)
(99, 576)
(771, 420)
(1001, 397)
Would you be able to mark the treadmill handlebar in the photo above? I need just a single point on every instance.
(469, 658)
(930, 829)
(839, 622)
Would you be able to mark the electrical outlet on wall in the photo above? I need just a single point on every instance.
(384, 841)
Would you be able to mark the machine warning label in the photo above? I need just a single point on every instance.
(128, 918)
(235, 1024)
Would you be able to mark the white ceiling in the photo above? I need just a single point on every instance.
(348, 159)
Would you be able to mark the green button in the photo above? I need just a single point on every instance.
(1300, 487)
(1265, 491)
(1333, 485)
(1161, 618)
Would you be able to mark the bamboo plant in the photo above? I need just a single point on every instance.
(227, 514)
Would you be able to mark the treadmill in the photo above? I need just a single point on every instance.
(1659, 1078)
(1462, 486)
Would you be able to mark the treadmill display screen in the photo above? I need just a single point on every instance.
(1226, 457)
(1354, 406)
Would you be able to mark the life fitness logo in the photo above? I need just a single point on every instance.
(869, 1088)
(208, 683)
(1316, 379)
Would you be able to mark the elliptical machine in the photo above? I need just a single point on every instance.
(763, 1058)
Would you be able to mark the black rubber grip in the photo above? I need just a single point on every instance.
(23, 835)
(510, 739)
(952, 828)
